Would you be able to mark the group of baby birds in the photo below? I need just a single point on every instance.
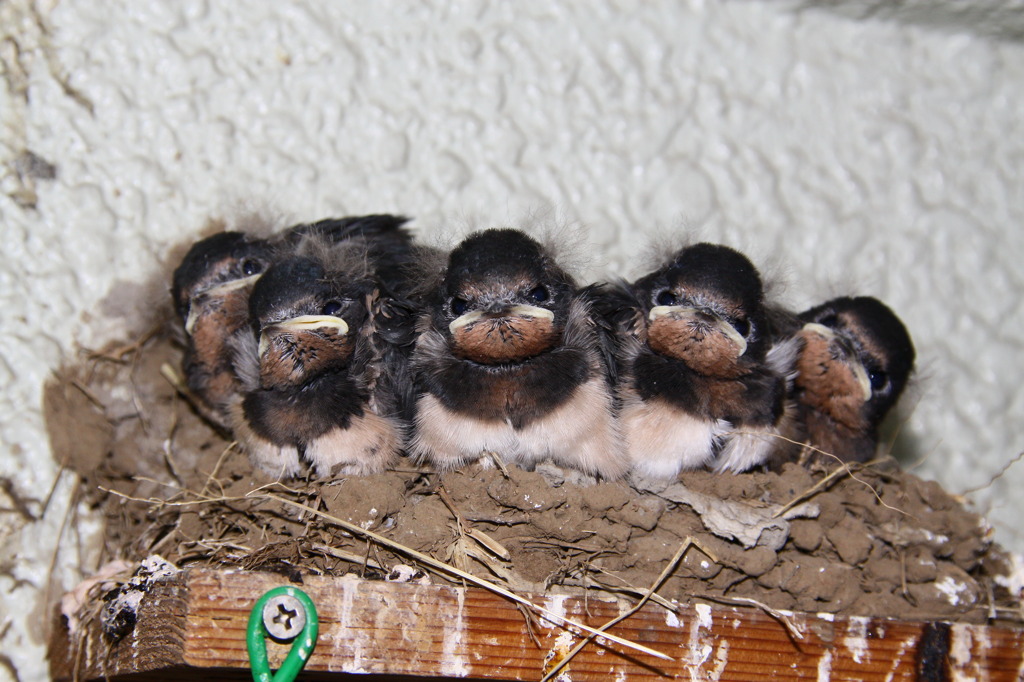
(334, 348)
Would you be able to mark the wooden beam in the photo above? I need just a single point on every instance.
(193, 626)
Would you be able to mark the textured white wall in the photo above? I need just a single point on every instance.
(880, 156)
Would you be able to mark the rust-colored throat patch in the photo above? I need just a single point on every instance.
(707, 345)
(497, 338)
(828, 380)
(289, 356)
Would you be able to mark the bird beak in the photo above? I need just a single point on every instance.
(218, 290)
(515, 311)
(303, 323)
(679, 312)
(820, 330)
(859, 373)
(193, 315)
(228, 287)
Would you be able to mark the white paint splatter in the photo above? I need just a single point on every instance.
(556, 605)
(1014, 580)
(825, 666)
(565, 640)
(721, 659)
(453, 658)
(560, 649)
(349, 642)
(897, 659)
(704, 616)
(969, 647)
(856, 640)
(952, 589)
(960, 645)
(830, 617)
(984, 642)
(672, 620)
(699, 647)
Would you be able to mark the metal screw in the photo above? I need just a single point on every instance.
(284, 617)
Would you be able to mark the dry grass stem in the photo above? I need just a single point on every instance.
(20, 504)
(178, 384)
(845, 469)
(212, 476)
(158, 503)
(73, 500)
(665, 573)
(465, 530)
(350, 557)
(117, 353)
(498, 462)
(92, 398)
(625, 588)
(468, 577)
(747, 601)
(996, 476)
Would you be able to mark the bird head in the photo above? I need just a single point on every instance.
(307, 320)
(217, 271)
(705, 308)
(503, 299)
(856, 359)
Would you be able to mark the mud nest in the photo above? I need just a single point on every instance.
(865, 541)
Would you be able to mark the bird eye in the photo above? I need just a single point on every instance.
(459, 306)
(538, 294)
(829, 320)
(331, 308)
(742, 326)
(878, 378)
(251, 267)
(667, 298)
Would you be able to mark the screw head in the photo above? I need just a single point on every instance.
(284, 617)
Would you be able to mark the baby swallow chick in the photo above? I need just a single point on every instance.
(696, 384)
(311, 372)
(507, 361)
(855, 360)
(212, 285)
(211, 290)
(388, 243)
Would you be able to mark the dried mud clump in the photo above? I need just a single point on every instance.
(873, 541)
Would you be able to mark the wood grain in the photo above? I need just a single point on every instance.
(194, 627)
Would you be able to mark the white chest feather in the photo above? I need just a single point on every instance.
(747, 447)
(367, 446)
(580, 433)
(662, 440)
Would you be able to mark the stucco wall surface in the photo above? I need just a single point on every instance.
(872, 155)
